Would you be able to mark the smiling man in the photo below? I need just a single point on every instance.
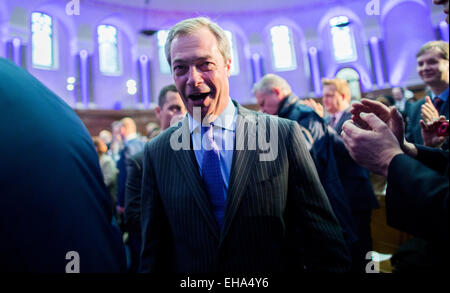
(210, 209)
(432, 67)
(201, 70)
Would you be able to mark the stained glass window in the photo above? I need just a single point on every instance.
(163, 64)
(282, 48)
(42, 40)
(352, 77)
(107, 49)
(342, 39)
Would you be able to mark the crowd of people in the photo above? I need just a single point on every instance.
(220, 188)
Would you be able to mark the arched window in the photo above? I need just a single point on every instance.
(282, 48)
(42, 40)
(343, 40)
(161, 36)
(352, 77)
(107, 49)
(234, 55)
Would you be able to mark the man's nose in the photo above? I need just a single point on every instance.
(195, 77)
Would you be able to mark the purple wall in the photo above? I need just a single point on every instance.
(406, 26)
(330, 66)
(111, 90)
(402, 29)
(65, 62)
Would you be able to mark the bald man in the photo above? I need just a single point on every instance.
(132, 145)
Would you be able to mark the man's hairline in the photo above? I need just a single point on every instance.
(187, 33)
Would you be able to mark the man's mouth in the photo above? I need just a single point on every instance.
(198, 97)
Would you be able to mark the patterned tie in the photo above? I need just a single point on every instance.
(437, 102)
(212, 176)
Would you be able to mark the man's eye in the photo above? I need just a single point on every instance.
(206, 66)
(179, 68)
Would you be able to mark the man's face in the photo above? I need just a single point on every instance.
(200, 72)
(173, 110)
(397, 94)
(332, 99)
(432, 68)
(268, 101)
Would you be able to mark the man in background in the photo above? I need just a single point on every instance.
(355, 179)
(132, 144)
(401, 102)
(275, 97)
(169, 110)
(433, 69)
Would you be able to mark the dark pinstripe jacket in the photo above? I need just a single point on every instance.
(277, 215)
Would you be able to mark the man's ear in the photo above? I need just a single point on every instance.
(278, 92)
(228, 68)
(342, 97)
(158, 112)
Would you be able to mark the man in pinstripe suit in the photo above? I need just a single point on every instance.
(216, 196)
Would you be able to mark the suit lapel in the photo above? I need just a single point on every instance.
(185, 159)
(345, 116)
(243, 162)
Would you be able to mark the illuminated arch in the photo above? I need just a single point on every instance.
(331, 66)
(403, 36)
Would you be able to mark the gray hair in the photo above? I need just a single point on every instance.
(190, 26)
(270, 81)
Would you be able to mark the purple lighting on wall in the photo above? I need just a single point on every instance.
(16, 53)
(443, 30)
(377, 60)
(313, 57)
(84, 77)
(256, 67)
(145, 90)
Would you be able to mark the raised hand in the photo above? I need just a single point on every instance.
(428, 112)
(429, 132)
(373, 149)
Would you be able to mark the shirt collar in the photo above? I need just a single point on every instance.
(131, 136)
(225, 120)
(338, 115)
(443, 96)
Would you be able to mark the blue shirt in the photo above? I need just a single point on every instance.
(443, 96)
(224, 129)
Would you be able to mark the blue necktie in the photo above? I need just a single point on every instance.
(212, 176)
(437, 102)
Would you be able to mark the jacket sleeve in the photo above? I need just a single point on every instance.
(316, 228)
(433, 158)
(132, 215)
(154, 223)
(417, 198)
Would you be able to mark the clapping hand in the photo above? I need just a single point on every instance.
(428, 111)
